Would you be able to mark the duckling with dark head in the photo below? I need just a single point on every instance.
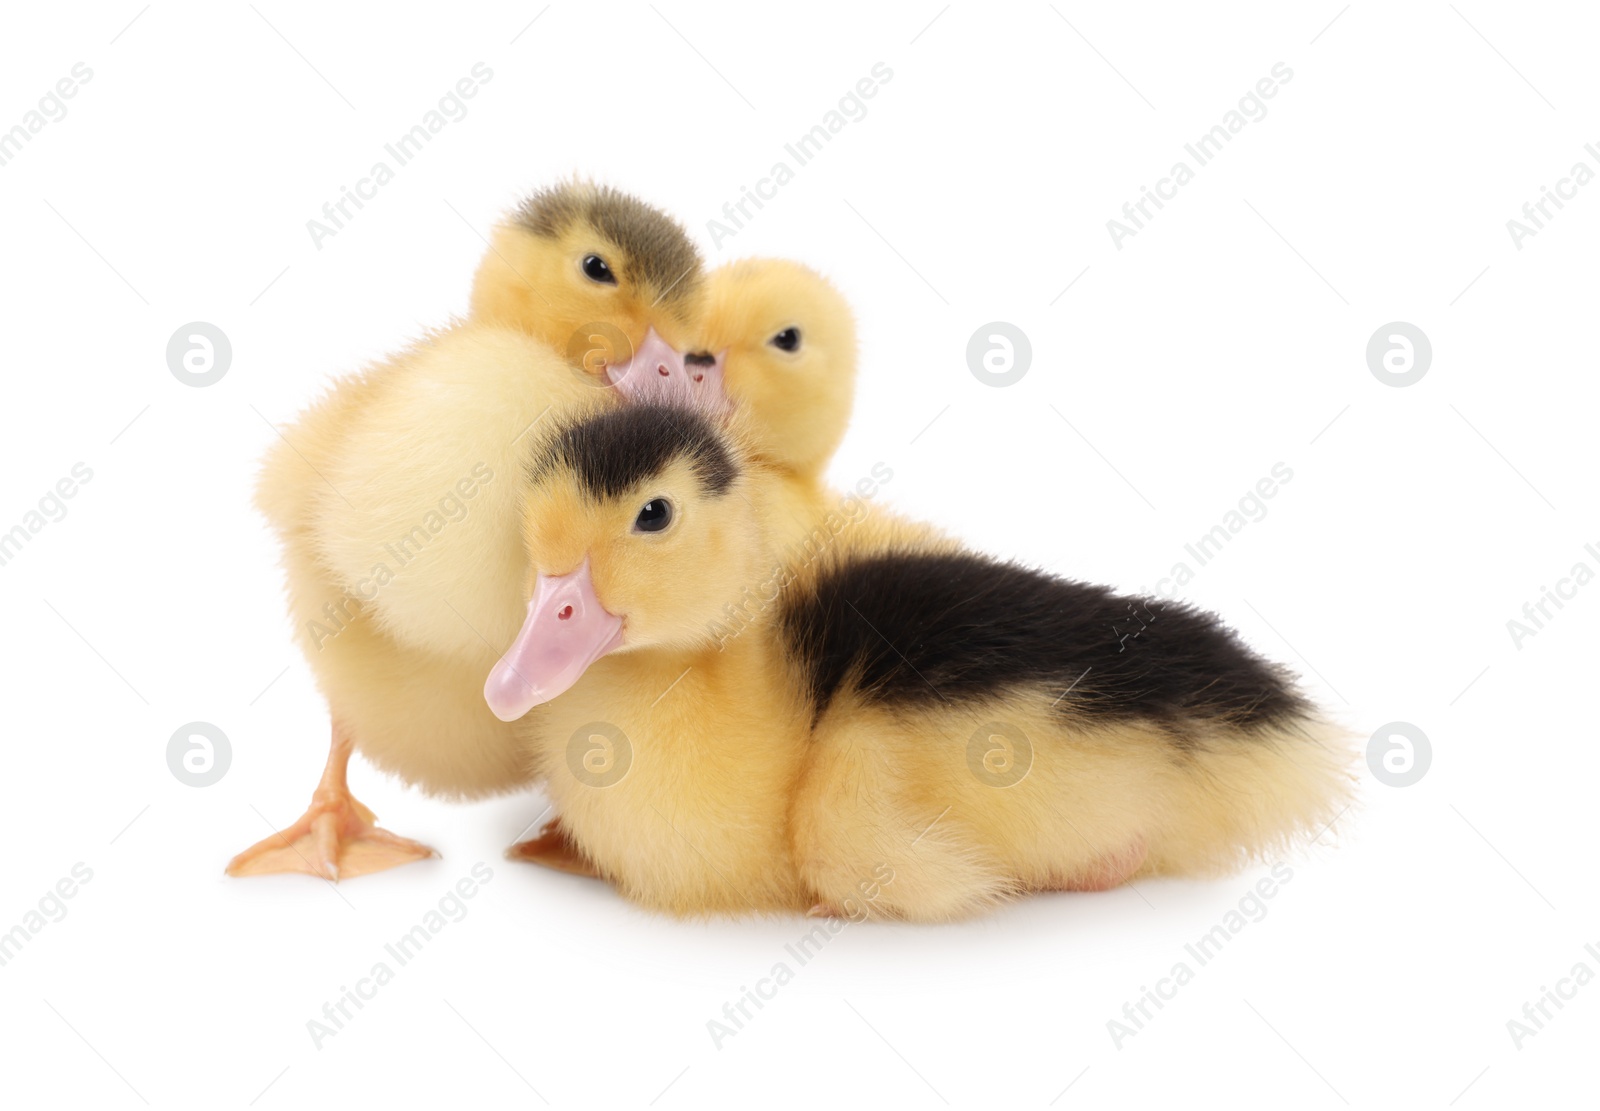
(936, 727)
(397, 501)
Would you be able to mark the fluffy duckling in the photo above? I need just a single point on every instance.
(397, 501)
(909, 731)
(788, 340)
(785, 340)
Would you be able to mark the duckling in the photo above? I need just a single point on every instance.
(913, 731)
(788, 339)
(783, 339)
(396, 500)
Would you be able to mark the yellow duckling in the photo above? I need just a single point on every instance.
(909, 731)
(397, 500)
(786, 341)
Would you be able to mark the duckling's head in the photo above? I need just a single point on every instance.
(639, 530)
(785, 341)
(605, 279)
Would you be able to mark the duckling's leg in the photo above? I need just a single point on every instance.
(336, 838)
(553, 848)
(875, 835)
(862, 865)
(1107, 872)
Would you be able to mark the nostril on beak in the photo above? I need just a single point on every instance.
(565, 614)
(662, 370)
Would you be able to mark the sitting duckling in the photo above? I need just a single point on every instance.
(786, 340)
(396, 500)
(913, 731)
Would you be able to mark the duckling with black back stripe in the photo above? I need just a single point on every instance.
(911, 730)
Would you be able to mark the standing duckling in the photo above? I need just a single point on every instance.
(913, 731)
(396, 500)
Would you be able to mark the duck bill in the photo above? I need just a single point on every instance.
(566, 630)
(660, 373)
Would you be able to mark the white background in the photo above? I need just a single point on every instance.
(1225, 337)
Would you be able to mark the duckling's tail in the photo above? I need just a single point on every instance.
(1243, 796)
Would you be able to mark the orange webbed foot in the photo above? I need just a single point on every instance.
(336, 838)
(553, 849)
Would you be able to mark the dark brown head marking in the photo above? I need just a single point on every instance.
(657, 252)
(612, 453)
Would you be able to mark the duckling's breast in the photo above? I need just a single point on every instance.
(422, 501)
(674, 775)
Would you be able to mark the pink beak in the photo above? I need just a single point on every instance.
(660, 373)
(566, 630)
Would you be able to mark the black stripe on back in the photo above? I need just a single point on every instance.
(616, 450)
(919, 628)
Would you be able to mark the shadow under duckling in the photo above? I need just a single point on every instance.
(911, 731)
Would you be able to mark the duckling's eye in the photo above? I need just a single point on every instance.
(595, 268)
(655, 516)
(787, 340)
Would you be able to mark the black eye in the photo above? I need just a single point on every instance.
(655, 516)
(787, 340)
(595, 268)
